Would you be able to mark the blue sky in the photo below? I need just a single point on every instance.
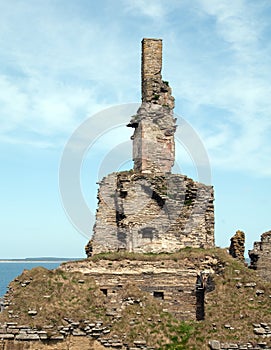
(62, 62)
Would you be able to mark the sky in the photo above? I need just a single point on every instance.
(64, 62)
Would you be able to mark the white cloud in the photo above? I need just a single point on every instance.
(42, 106)
(59, 66)
(28, 142)
(238, 25)
(153, 8)
(13, 104)
(56, 70)
(224, 81)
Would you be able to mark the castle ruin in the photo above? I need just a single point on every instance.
(150, 209)
(260, 256)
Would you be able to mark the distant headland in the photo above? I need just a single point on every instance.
(39, 259)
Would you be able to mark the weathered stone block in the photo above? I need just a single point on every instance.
(237, 247)
(26, 336)
(7, 336)
(214, 345)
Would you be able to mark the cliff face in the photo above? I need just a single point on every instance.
(148, 209)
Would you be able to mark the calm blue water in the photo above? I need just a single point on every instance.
(10, 270)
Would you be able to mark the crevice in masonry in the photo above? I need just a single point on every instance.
(119, 217)
(158, 295)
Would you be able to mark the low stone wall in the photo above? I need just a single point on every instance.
(262, 332)
(94, 335)
(14, 336)
(216, 345)
(13, 331)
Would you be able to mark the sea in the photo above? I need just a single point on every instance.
(10, 270)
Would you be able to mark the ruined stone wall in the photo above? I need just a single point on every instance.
(237, 247)
(154, 123)
(151, 213)
(153, 139)
(154, 89)
(71, 343)
(151, 63)
(260, 256)
(178, 285)
(249, 345)
(149, 209)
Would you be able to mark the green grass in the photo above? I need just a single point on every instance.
(192, 254)
(58, 294)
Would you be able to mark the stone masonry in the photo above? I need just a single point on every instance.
(179, 285)
(154, 123)
(144, 213)
(154, 89)
(260, 256)
(149, 209)
(237, 247)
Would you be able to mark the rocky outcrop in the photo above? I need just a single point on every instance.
(237, 247)
(260, 256)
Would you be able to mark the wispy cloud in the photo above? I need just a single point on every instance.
(223, 81)
(61, 64)
(155, 9)
(42, 106)
(56, 70)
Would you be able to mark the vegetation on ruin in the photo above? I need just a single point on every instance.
(240, 299)
(192, 254)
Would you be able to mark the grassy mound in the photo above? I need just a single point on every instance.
(240, 299)
(41, 297)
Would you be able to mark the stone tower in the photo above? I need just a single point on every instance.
(149, 209)
(153, 139)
